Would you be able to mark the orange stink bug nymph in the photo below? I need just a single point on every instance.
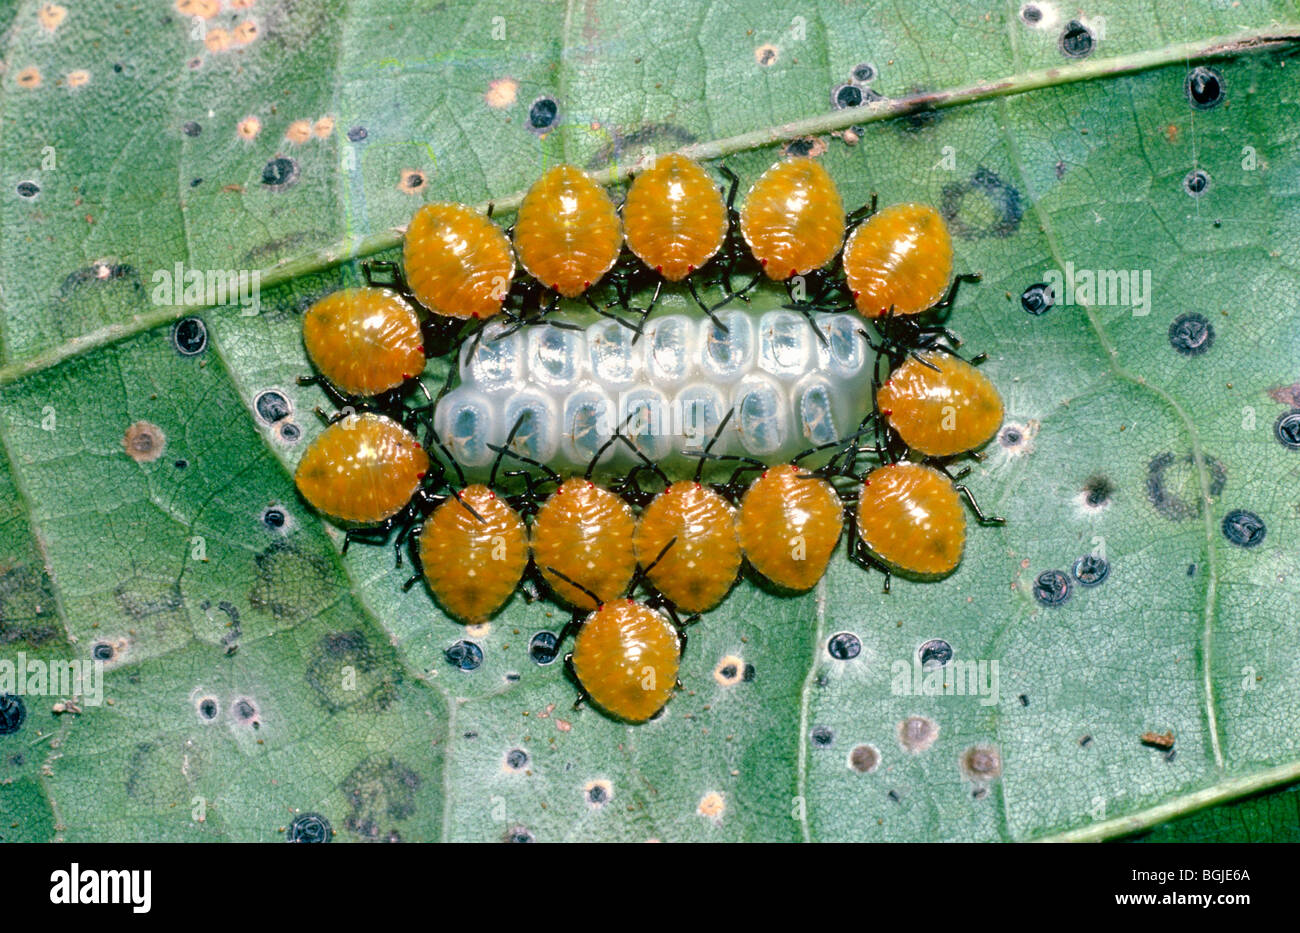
(472, 550)
(909, 519)
(899, 261)
(790, 521)
(703, 565)
(940, 405)
(793, 219)
(363, 471)
(457, 262)
(582, 534)
(626, 654)
(567, 234)
(364, 343)
(675, 222)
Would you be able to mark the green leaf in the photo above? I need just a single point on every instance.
(328, 685)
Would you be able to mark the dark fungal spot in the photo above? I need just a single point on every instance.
(309, 827)
(1091, 570)
(1097, 490)
(864, 73)
(273, 518)
(519, 834)
(190, 128)
(934, 653)
(516, 759)
(272, 406)
(379, 791)
(117, 67)
(1287, 429)
(728, 672)
(27, 612)
(748, 676)
(1244, 529)
(864, 759)
(1052, 588)
(1038, 298)
(413, 180)
(190, 336)
(181, 464)
(28, 189)
(357, 133)
(13, 713)
(1166, 472)
(1024, 699)
(1191, 334)
(208, 708)
(347, 670)
(1196, 182)
(464, 655)
(102, 651)
(1077, 40)
(597, 794)
(822, 737)
(844, 646)
(245, 711)
(280, 173)
(543, 647)
(1031, 15)
(846, 95)
(292, 582)
(1204, 88)
(290, 433)
(195, 182)
(1001, 216)
(543, 114)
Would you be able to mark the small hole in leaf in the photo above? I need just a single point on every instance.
(935, 653)
(271, 406)
(1287, 429)
(1244, 529)
(190, 336)
(844, 646)
(542, 648)
(1204, 87)
(1091, 570)
(846, 95)
(864, 73)
(542, 114)
(1038, 298)
(1052, 588)
(1196, 182)
(280, 173)
(464, 655)
(1077, 40)
(309, 828)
